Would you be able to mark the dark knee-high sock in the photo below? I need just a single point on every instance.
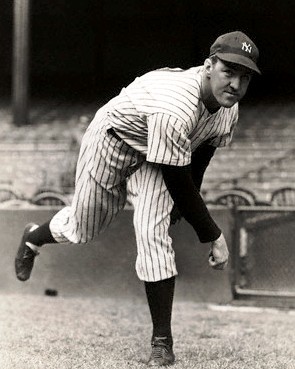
(160, 299)
(41, 235)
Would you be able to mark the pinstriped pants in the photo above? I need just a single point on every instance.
(104, 166)
(152, 208)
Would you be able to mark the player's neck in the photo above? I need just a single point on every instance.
(207, 97)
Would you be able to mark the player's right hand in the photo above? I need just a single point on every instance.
(218, 257)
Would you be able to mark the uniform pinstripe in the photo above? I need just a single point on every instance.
(100, 192)
(160, 119)
(152, 207)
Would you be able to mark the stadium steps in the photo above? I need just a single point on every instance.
(256, 167)
(261, 157)
(258, 159)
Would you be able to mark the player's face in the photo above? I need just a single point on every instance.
(228, 82)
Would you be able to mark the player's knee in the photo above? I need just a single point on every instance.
(145, 231)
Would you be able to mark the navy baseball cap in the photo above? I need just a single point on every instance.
(236, 47)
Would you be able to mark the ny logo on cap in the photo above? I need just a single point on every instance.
(246, 47)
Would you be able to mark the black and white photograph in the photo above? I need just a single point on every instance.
(147, 195)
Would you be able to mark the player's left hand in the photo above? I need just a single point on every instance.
(218, 257)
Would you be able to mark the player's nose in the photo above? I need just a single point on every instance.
(235, 83)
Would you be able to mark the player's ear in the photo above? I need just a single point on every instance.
(208, 66)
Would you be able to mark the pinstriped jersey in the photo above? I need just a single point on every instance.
(161, 115)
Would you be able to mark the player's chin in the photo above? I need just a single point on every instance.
(229, 101)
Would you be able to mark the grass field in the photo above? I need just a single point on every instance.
(40, 332)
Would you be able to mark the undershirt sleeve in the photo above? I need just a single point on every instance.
(187, 198)
(200, 160)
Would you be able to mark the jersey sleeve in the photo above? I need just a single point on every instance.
(225, 139)
(168, 142)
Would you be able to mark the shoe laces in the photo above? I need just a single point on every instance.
(159, 346)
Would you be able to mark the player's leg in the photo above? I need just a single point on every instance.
(152, 208)
(70, 225)
(155, 263)
(160, 299)
(105, 162)
(100, 193)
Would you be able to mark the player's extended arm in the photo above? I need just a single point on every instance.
(186, 196)
(200, 160)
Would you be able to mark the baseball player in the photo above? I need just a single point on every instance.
(158, 135)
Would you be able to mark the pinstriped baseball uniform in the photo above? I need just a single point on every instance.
(158, 119)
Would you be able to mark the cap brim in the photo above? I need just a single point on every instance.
(238, 59)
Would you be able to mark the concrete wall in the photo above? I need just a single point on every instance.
(105, 267)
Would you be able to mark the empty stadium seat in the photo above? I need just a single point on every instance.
(50, 199)
(284, 196)
(235, 197)
(7, 193)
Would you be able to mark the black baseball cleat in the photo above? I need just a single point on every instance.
(162, 353)
(24, 260)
